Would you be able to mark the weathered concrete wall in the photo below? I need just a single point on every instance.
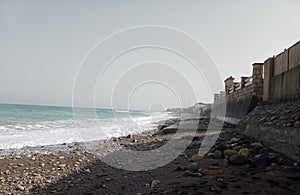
(285, 85)
(240, 97)
(282, 75)
(239, 108)
(277, 125)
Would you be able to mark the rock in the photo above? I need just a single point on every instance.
(297, 118)
(19, 187)
(217, 154)
(189, 173)
(237, 148)
(129, 136)
(155, 183)
(297, 124)
(114, 139)
(257, 145)
(221, 147)
(295, 164)
(234, 140)
(38, 177)
(17, 156)
(264, 151)
(244, 152)
(214, 168)
(262, 162)
(180, 169)
(253, 152)
(48, 180)
(192, 167)
(273, 156)
(230, 152)
(209, 172)
(170, 129)
(197, 157)
(273, 167)
(238, 159)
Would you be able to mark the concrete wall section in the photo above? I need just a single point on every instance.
(285, 85)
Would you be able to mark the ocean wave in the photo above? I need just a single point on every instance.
(67, 131)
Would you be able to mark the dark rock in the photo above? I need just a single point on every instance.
(238, 159)
(218, 154)
(264, 151)
(155, 183)
(230, 152)
(221, 147)
(192, 167)
(297, 124)
(262, 162)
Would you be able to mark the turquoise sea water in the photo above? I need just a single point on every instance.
(30, 125)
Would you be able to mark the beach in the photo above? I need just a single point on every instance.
(234, 165)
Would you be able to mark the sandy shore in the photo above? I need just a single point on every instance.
(234, 165)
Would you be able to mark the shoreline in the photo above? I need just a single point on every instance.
(79, 171)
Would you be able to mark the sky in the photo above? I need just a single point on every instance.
(50, 52)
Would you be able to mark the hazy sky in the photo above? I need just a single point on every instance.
(42, 44)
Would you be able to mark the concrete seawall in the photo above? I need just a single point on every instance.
(277, 125)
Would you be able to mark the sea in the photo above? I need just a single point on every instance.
(31, 125)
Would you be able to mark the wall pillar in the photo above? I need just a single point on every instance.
(257, 79)
(243, 81)
(228, 84)
(268, 74)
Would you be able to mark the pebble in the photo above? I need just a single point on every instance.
(38, 177)
(295, 164)
(262, 162)
(48, 180)
(257, 145)
(19, 187)
(192, 167)
(244, 152)
(230, 152)
(197, 157)
(114, 139)
(217, 154)
(234, 140)
(221, 147)
(264, 151)
(154, 183)
(212, 172)
(238, 159)
(193, 174)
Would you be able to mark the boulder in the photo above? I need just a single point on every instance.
(262, 162)
(192, 167)
(230, 152)
(222, 147)
(264, 151)
(238, 159)
(197, 157)
(212, 172)
(244, 152)
(217, 154)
